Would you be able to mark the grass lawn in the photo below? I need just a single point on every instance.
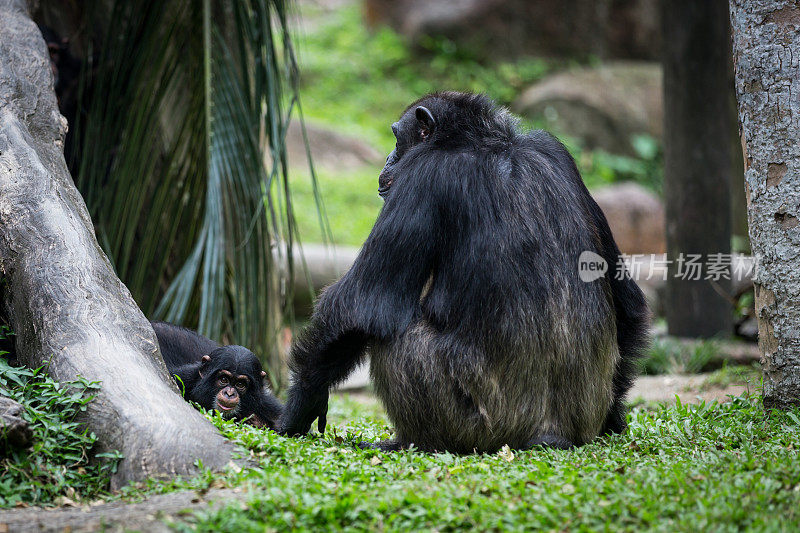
(351, 204)
(679, 468)
(707, 467)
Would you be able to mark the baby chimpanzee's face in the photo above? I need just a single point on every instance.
(230, 377)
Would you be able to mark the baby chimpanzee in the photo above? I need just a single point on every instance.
(226, 378)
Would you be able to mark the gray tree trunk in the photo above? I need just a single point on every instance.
(766, 55)
(68, 308)
(697, 162)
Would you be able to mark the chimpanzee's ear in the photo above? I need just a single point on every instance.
(426, 121)
(263, 374)
(203, 362)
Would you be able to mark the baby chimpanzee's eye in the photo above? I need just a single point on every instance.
(223, 380)
(241, 386)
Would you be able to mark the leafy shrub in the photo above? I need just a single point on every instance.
(59, 465)
(600, 168)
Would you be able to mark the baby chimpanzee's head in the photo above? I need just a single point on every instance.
(231, 381)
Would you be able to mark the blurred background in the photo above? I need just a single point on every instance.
(229, 152)
(596, 83)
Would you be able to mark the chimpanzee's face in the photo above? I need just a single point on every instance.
(230, 377)
(414, 127)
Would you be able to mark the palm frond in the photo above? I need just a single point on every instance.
(183, 162)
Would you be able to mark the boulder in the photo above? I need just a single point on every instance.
(329, 149)
(636, 217)
(604, 106)
(490, 28)
(14, 428)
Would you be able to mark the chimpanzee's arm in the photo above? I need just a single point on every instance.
(378, 297)
(267, 410)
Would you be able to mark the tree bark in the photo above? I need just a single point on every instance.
(68, 308)
(697, 161)
(766, 52)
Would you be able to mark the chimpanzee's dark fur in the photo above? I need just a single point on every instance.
(183, 351)
(468, 298)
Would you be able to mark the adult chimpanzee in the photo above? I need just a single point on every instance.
(226, 378)
(468, 296)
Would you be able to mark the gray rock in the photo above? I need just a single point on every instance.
(748, 329)
(329, 149)
(492, 28)
(603, 106)
(13, 428)
(636, 217)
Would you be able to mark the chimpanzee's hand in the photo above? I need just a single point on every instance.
(302, 407)
(255, 420)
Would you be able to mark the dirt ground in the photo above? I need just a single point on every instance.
(689, 389)
(151, 515)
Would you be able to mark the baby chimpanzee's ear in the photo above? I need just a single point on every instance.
(203, 362)
(263, 374)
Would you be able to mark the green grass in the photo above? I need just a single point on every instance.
(358, 82)
(671, 356)
(750, 375)
(60, 464)
(708, 467)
